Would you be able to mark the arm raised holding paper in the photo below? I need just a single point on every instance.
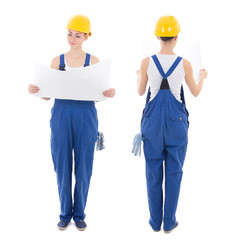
(194, 87)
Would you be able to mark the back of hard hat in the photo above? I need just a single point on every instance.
(167, 26)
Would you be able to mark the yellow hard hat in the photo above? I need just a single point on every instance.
(167, 26)
(79, 23)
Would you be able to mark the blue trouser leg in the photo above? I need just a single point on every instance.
(155, 194)
(176, 146)
(154, 155)
(173, 177)
(83, 156)
(61, 147)
(83, 172)
(85, 136)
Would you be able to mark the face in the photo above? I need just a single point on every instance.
(76, 38)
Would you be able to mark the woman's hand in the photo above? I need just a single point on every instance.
(32, 89)
(109, 92)
(203, 73)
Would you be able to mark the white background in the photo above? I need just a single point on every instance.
(117, 203)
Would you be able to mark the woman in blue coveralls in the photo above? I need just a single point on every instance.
(74, 126)
(164, 125)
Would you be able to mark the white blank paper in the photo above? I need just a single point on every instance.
(83, 83)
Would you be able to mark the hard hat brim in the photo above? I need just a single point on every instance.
(79, 30)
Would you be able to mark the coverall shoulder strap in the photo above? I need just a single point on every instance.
(171, 69)
(158, 65)
(174, 65)
(62, 63)
(87, 60)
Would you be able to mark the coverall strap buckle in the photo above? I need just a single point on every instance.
(62, 68)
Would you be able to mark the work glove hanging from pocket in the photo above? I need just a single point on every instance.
(100, 142)
(137, 144)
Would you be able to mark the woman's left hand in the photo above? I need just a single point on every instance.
(109, 92)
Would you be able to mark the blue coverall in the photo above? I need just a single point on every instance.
(164, 129)
(74, 131)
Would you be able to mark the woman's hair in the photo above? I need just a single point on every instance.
(166, 38)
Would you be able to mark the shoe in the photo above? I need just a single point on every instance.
(81, 225)
(169, 231)
(63, 225)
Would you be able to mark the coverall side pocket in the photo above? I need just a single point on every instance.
(179, 123)
(177, 114)
(149, 128)
(53, 115)
(90, 130)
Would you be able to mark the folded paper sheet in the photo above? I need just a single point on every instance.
(83, 83)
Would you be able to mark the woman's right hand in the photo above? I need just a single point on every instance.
(203, 73)
(32, 89)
